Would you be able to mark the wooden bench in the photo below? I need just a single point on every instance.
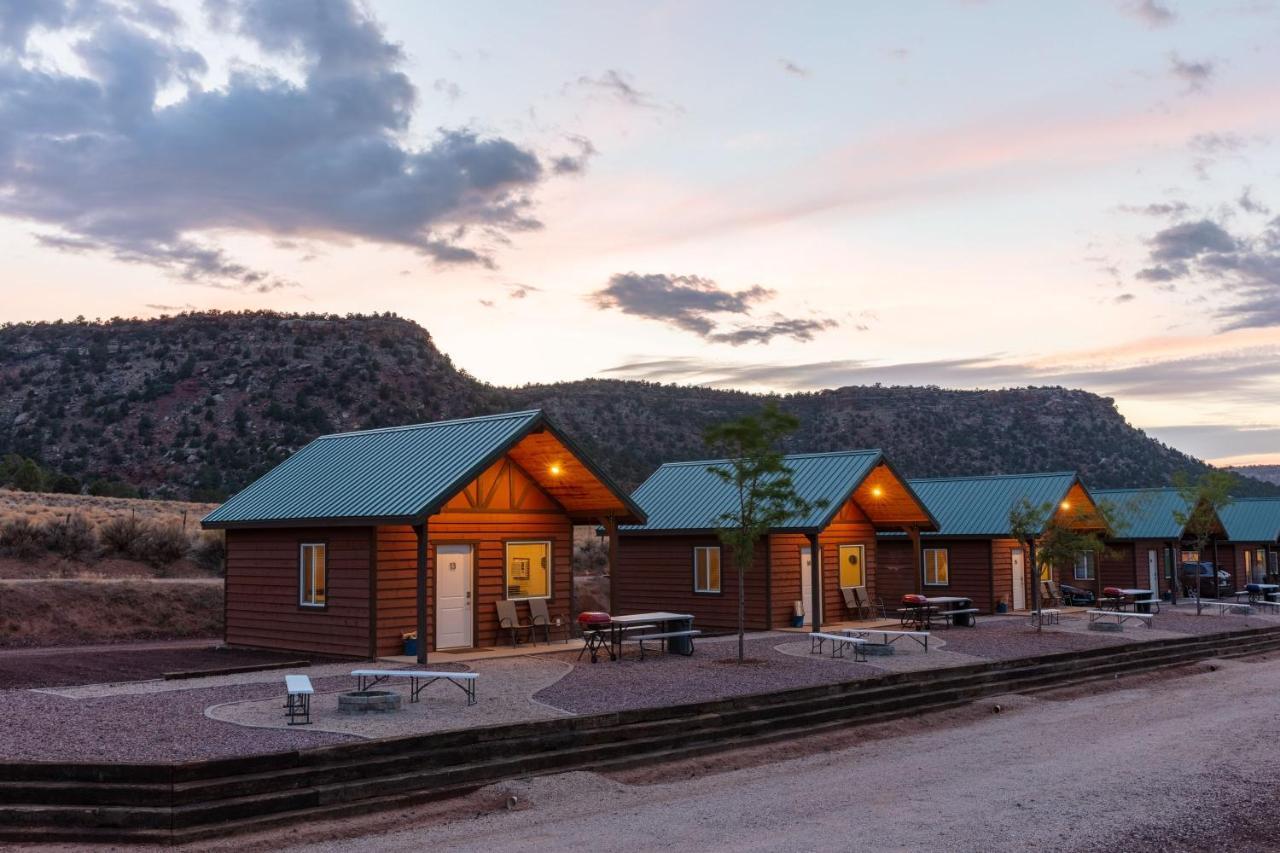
(1120, 616)
(839, 642)
(418, 680)
(665, 635)
(1044, 617)
(297, 703)
(888, 637)
(1228, 606)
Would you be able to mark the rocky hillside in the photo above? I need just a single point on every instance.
(196, 406)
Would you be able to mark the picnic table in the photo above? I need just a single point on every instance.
(676, 629)
(1263, 591)
(1119, 598)
(954, 609)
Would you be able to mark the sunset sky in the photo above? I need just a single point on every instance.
(781, 196)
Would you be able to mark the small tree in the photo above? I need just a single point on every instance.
(1052, 540)
(1204, 497)
(765, 493)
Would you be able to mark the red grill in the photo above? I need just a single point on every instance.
(593, 619)
(1113, 592)
(914, 601)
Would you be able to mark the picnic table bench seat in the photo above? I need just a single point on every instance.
(1120, 616)
(297, 703)
(419, 679)
(839, 643)
(1045, 616)
(949, 615)
(888, 637)
(661, 636)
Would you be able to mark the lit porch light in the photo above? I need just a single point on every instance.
(555, 469)
(876, 491)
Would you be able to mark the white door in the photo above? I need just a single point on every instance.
(806, 585)
(453, 597)
(1019, 580)
(1153, 572)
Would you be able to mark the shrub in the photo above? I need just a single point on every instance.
(72, 537)
(20, 538)
(119, 535)
(210, 552)
(161, 545)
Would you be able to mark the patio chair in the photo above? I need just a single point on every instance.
(539, 617)
(854, 603)
(509, 620)
(1051, 593)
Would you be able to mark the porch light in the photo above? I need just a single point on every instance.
(555, 469)
(1066, 504)
(876, 491)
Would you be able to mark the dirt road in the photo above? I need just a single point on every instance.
(1184, 761)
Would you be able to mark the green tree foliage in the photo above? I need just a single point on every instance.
(765, 493)
(1205, 497)
(1054, 538)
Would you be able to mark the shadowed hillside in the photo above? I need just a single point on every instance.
(196, 406)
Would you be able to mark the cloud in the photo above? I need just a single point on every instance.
(451, 90)
(168, 309)
(1150, 12)
(1244, 267)
(793, 69)
(572, 164)
(1209, 148)
(1196, 75)
(1251, 205)
(618, 86)
(1159, 208)
(1243, 374)
(1123, 298)
(100, 161)
(697, 304)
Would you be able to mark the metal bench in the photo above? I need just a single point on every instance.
(887, 637)
(970, 612)
(418, 680)
(839, 642)
(1120, 616)
(1044, 617)
(665, 635)
(1229, 606)
(297, 703)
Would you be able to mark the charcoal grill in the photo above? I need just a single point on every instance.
(597, 627)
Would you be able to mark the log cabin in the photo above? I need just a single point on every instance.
(362, 537)
(1253, 538)
(675, 561)
(973, 553)
(1148, 543)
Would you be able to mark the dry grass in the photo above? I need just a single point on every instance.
(56, 612)
(40, 507)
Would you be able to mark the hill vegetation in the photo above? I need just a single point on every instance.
(196, 406)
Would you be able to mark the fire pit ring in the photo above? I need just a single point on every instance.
(368, 702)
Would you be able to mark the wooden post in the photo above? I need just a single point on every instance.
(1216, 566)
(1173, 569)
(914, 534)
(421, 531)
(611, 530)
(1032, 568)
(815, 573)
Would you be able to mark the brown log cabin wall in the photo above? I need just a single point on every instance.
(262, 590)
(850, 527)
(502, 505)
(656, 573)
(1227, 561)
(784, 572)
(894, 578)
(1116, 565)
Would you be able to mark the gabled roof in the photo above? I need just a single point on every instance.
(1144, 513)
(1252, 519)
(399, 475)
(980, 506)
(686, 496)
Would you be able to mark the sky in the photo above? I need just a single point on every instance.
(767, 196)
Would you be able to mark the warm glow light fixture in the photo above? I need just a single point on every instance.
(876, 491)
(555, 469)
(1066, 504)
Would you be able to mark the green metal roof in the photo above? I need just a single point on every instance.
(1144, 513)
(392, 475)
(979, 506)
(686, 496)
(1252, 519)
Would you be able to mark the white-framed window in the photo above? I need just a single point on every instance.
(937, 571)
(528, 570)
(706, 568)
(1086, 563)
(853, 565)
(313, 574)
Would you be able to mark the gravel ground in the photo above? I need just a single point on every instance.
(674, 679)
(1001, 639)
(503, 693)
(37, 726)
(1143, 775)
(1185, 621)
(71, 666)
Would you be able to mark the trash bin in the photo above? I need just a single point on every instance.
(679, 645)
